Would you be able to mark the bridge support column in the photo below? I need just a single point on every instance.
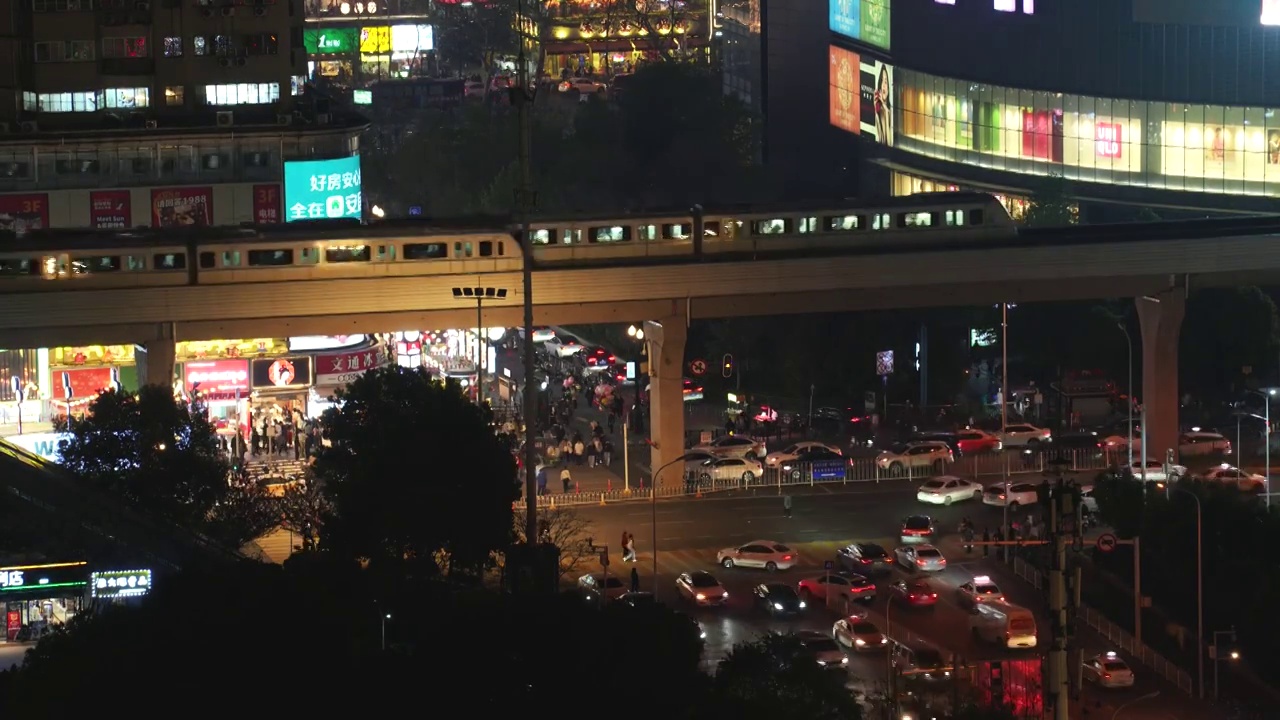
(1161, 319)
(665, 338)
(155, 359)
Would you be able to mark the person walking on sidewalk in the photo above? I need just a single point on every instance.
(566, 479)
(786, 506)
(631, 546)
(986, 538)
(606, 452)
(635, 580)
(966, 532)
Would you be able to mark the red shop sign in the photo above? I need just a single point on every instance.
(218, 376)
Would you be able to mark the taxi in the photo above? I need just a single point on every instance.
(978, 590)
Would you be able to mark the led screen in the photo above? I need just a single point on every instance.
(862, 20)
(322, 189)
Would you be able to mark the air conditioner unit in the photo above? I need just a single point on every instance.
(242, 61)
(284, 119)
(28, 126)
(152, 124)
(224, 61)
(260, 11)
(228, 11)
(226, 118)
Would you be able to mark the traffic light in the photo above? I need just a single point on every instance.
(728, 365)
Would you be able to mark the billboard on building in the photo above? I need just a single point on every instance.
(110, 210)
(409, 40)
(266, 204)
(331, 41)
(182, 207)
(216, 376)
(322, 189)
(862, 20)
(283, 372)
(843, 77)
(20, 214)
(876, 90)
(375, 40)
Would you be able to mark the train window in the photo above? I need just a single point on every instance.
(676, 231)
(95, 264)
(176, 261)
(270, 257)
(647, 232)
(711, 228)
(462, 249)
(347, 253)
(731, 228)
(18, 267)
(136, 262)
(542, 236)
(838, 223)
(772, 226)
(206, 260)
(386, 252)
(611, 233)
(230, 258)
(975, 217)
(955, 217)
(880, 221)
(808, 224)
(915, 219)
(571, 237)
(308, 256)
(425, 251)
(502, 248)
(486, 248)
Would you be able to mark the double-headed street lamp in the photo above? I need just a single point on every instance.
(1266, 437)
(482, 341)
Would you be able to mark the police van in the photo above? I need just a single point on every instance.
(1008, 625)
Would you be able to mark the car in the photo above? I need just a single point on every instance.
(923, 664)
(859, 634)
(1023, 434)
(765, 554)
(692, 391)
(1199, 442)
(702, 589)
(843, 584)
(696, 458)
(543, 334)
(584, 85)
(1018, 494)
(917, 528)
(598, 586)
(900, 459)
(636, 599)
(824, 649)
(947, 489)
(794, 451)
(864, 558)
(978, 590)
(926, 558)
(972, 442)
(946, 437)
(1243, 480)
(563, 347)
(1078, 446)
(730, 470)
(1156, 472)
(795, 469)
(738, 446)
(599, 359)
(1087, 499)
(916, 593)
(778, 599)
(1109, 671)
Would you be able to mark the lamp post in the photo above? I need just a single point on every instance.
(385, 618)
(637, 334)
(1004, 407)
(1199, 584)
(1266, 437)
(653, 509)
(1216, 655)
(1129, 440)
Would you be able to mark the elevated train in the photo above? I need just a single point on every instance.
(306, 251)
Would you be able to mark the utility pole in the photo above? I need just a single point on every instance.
(524, 206)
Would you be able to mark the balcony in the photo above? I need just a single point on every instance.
(127, 66)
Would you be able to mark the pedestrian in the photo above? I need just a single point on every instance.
(626, 557)
(566, 479)
(786, 506)
(612, 420)
(578, 450)
(986, 538)
(606, 450)
(968, 537)
(631, 547)
(635, 580)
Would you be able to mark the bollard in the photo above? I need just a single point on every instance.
(602, 498)
(577, 487)
(553, 503)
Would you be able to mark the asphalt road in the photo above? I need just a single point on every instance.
(12, 654)
(690, 531)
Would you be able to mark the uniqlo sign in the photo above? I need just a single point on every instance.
(1108, 139)
(342, 368)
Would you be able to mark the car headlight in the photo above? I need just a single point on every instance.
(702, 634)
(802, 605)
(884, 641)
(725, 595)
(859, 642)
(844, 661)
(700, 596)
(777, 606)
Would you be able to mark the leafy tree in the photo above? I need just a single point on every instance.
(470, 37)
(775, 676)
(162, 456)
(305, 504)
(1224, 331)
(567, 530)
(415, 474)
(1051, 205)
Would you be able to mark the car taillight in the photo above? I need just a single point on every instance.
(786, 557)
(920, 561)
(911, 597)
(1106, 676)
(866, 561)
(933, 595)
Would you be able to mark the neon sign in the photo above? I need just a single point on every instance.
(1108, 139)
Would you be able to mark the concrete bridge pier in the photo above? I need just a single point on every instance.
(665, 337)
(1160, 317)
(156, 358)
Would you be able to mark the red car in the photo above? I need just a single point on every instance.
(971, 442)
(916, 593)
(601, 359)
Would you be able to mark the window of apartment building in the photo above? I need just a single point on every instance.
(173, 47)
(200, 45)
(126, 98)
(15, 165)
(70, 164)
(221, 45)
(67, 102)
(64, 51)
(242, 93)
(296, 84)
(42, 6)
(262, 44)
(29, 102)
(125, 47)
(173, 95)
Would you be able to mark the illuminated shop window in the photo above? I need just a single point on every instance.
(242, 93)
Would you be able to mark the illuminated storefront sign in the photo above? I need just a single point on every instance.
(213, 349)
(218, 376)
(39, 578)
(862, 20)
(843, 69)
(120, 583)
(310, 343)
(331, 41)
(285, 372)
(1271, 12)
(375, 40)
(1028, 6)
(410, 40)
(343, 368)
(1108, 139)
(320, 189)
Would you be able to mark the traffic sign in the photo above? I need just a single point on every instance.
(829, 565)
(1106, 542)
(698, 367)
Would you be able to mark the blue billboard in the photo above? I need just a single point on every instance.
(845, 17)
(322, 189)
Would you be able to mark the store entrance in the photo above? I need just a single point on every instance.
(276, 422)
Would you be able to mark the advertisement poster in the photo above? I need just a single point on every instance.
(322, 189)
(84, 384)
(216, 376)
(22, 213)
(182, 207)
(12, 625)
(330, 41)
(875, 23)
(876, 110)
(845, 17)
(285, 372)
(375, 40)
(110, 210)
(266, 204)
(343, 368)
(844, 77)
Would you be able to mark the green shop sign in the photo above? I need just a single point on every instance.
(331, 41)
(875, 23)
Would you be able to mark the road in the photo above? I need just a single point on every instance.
(825, 518)
(12, 654)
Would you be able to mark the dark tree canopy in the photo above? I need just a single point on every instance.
(414, 471)
(1051, 204)
(776, 677)
(1226, 330)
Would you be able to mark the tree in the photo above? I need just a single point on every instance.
(1226, 330)
(305, 505)
(775, 676)
(415, 474)
(471, 36)
(565, 529)
(162, 456)
(1051, 205)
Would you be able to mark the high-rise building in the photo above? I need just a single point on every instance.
(120, 113)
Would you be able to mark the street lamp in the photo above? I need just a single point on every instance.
(385, 618)
(1216, 655)
(1199, 582)
(1004, 406)
(482, 342)
(1266, 437)
(1129, 440)
(635, 332)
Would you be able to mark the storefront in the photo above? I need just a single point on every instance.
(336, 370)
(281, 385)
(77, 375)
(355, 56)
(223, 387)
(38, 599)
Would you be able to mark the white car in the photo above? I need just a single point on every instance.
(584, 85)
(473, 88)
(793, 451)
(1155, 471)
(765, 554)
(694, 459)
(824, 649)
(701, 588)
(563, 347)
(947, 489)
(915, 456)
(730, 470)
(1203, 443)
(920, 557)
(1023, 435)
(844, 584)
(1120, 443)
(596, 586)
(1019, 493)
(1244, 480)
(979, 590)
(1087, 499)
(859, 635)
(734, 446)
(1109, 671)
(543, 335)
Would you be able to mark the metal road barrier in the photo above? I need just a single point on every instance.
(858, 470)
(1115, 634)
